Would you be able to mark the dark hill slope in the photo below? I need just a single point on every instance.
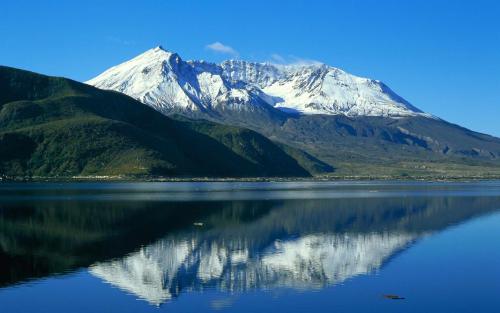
(53, 126)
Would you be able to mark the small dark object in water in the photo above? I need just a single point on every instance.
(394, 297)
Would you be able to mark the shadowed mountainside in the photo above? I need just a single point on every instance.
(53, 126)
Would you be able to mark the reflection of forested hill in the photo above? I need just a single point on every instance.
(42, 238)
(366, 215)
(38, 239)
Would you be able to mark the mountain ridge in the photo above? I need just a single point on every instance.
(161, 79)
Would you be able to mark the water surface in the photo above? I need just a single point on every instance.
(250, 247)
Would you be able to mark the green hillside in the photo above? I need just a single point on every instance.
(56, 127)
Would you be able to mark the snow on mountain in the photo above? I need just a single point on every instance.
(161, 271)
(161, 79)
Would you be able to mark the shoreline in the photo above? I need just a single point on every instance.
(129, 179)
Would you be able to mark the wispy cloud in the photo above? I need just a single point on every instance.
(222, 48)
(302, 61)
(278, 58)
(120, 41)
(291, 60)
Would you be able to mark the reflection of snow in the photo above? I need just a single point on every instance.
(330, 259)
(147, 272)
(212, 263)
(164, 269)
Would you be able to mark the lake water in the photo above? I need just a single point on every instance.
(250, 247)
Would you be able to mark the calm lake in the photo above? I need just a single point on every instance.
(250, 247)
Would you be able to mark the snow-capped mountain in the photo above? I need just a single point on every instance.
(325, 111)
(319, 89)
(162, 80)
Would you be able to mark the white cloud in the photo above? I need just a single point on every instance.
(221, 48)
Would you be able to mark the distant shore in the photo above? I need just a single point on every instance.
(118, 178)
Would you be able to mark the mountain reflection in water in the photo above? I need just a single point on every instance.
(156, 250)
(160, 271)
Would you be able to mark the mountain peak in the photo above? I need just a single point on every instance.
(158, 52)
(161, 79)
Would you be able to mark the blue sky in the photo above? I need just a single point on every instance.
(442, 56)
